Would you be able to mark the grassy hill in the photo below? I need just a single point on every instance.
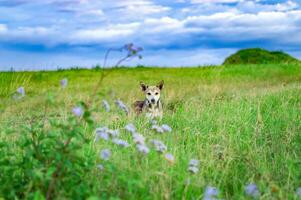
(242, 123)
(259, 56)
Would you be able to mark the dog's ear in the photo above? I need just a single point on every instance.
(160, 85)
(143, 86)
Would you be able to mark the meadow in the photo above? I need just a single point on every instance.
(242, 122)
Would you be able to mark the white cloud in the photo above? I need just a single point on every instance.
(214, 1)
(154, 25)
(132, 10)
(103, 34)
(289, 5)
(255, 7)
(3, 28)
(27, 35)
(223, 26)
(145, 9)
(243, 26)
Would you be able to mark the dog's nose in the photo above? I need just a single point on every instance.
(153, 100)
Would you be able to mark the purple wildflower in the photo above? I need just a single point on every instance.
(113, 133)
(143, 148)
(105, 154)
(120, 142)
(21, 91)
(102, 133)
(78, 111)
(252, 190)
(169, 157)
(194, 162)
(106, 105)
(158, 129)
(122, 106)
(166, 128)
(193, 166)
(210, 193)
(132, 50)
(128, 46)
(138, 139)
(102, 129)
(193, 169)
(159, 146)
(64, 83)
(130, 128)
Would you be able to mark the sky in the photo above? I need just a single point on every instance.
(51, 34)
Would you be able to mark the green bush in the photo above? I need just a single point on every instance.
(259, 56)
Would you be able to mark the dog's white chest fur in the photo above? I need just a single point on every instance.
(154, 111)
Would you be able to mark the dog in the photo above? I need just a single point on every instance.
(152, 105)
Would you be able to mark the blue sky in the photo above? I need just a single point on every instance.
(47, 34)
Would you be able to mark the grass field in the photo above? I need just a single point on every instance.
(242, 122)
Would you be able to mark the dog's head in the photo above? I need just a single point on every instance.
(152, 93)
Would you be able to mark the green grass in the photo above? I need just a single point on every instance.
(242, 122)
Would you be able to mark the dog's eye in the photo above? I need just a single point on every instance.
(156, 93)
(149, 93)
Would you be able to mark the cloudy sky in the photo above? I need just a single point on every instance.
(47, 34)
